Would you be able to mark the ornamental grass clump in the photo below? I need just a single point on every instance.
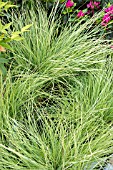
(54, 50)
(56, 100)
(72, 134)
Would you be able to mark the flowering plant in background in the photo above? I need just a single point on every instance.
(92, 6)
(69, 4)
(88, 10)
(108, 16)
(80, 14)
(71, 11)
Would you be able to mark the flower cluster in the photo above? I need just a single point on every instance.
(69, 4)
(91, 6)
(80, 14)
(108, 16)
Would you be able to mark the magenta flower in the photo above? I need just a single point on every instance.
(94, 4)
(97, 3)
(90, 5)
(106, 18)
(69, 4)
(80, 14)
(109, 10)
(108, 15)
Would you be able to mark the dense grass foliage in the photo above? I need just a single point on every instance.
(53, 50)
(56, 99)
(71, 134)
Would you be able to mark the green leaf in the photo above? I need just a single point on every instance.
(26, 28)
(16, 33)
(1, 37)
(3, 31)
(64, 12)
(7, 40)
(109, 4)
(2, 4)
(74, 4)
(18, 38)
(3, 60)
(3, 69)
(61, 1)
(7, 46)
(6, 26)
(85, 10)
(1, 26)
(9, 6)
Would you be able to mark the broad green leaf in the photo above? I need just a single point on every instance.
(75, 4)
(7, 46)
(1, 37)
(64, 11)
(18, 38)
(16, 33)
(14, 36)
(62, 1)
(7, 40)
(26, 28)
(3, 69)
(2, 4)
(3, 60)
(6, 26)
(3, 31)
(109, 4)
(85, 10)
(9, 6)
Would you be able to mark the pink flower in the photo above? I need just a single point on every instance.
(69, 4)
(103, 24)
(106, 18)
(88, 12)
(111, 46)
(96, 3)
(109, 10)
(80, 14)
(90, 5)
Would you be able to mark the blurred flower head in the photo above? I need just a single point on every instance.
(69, 4)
